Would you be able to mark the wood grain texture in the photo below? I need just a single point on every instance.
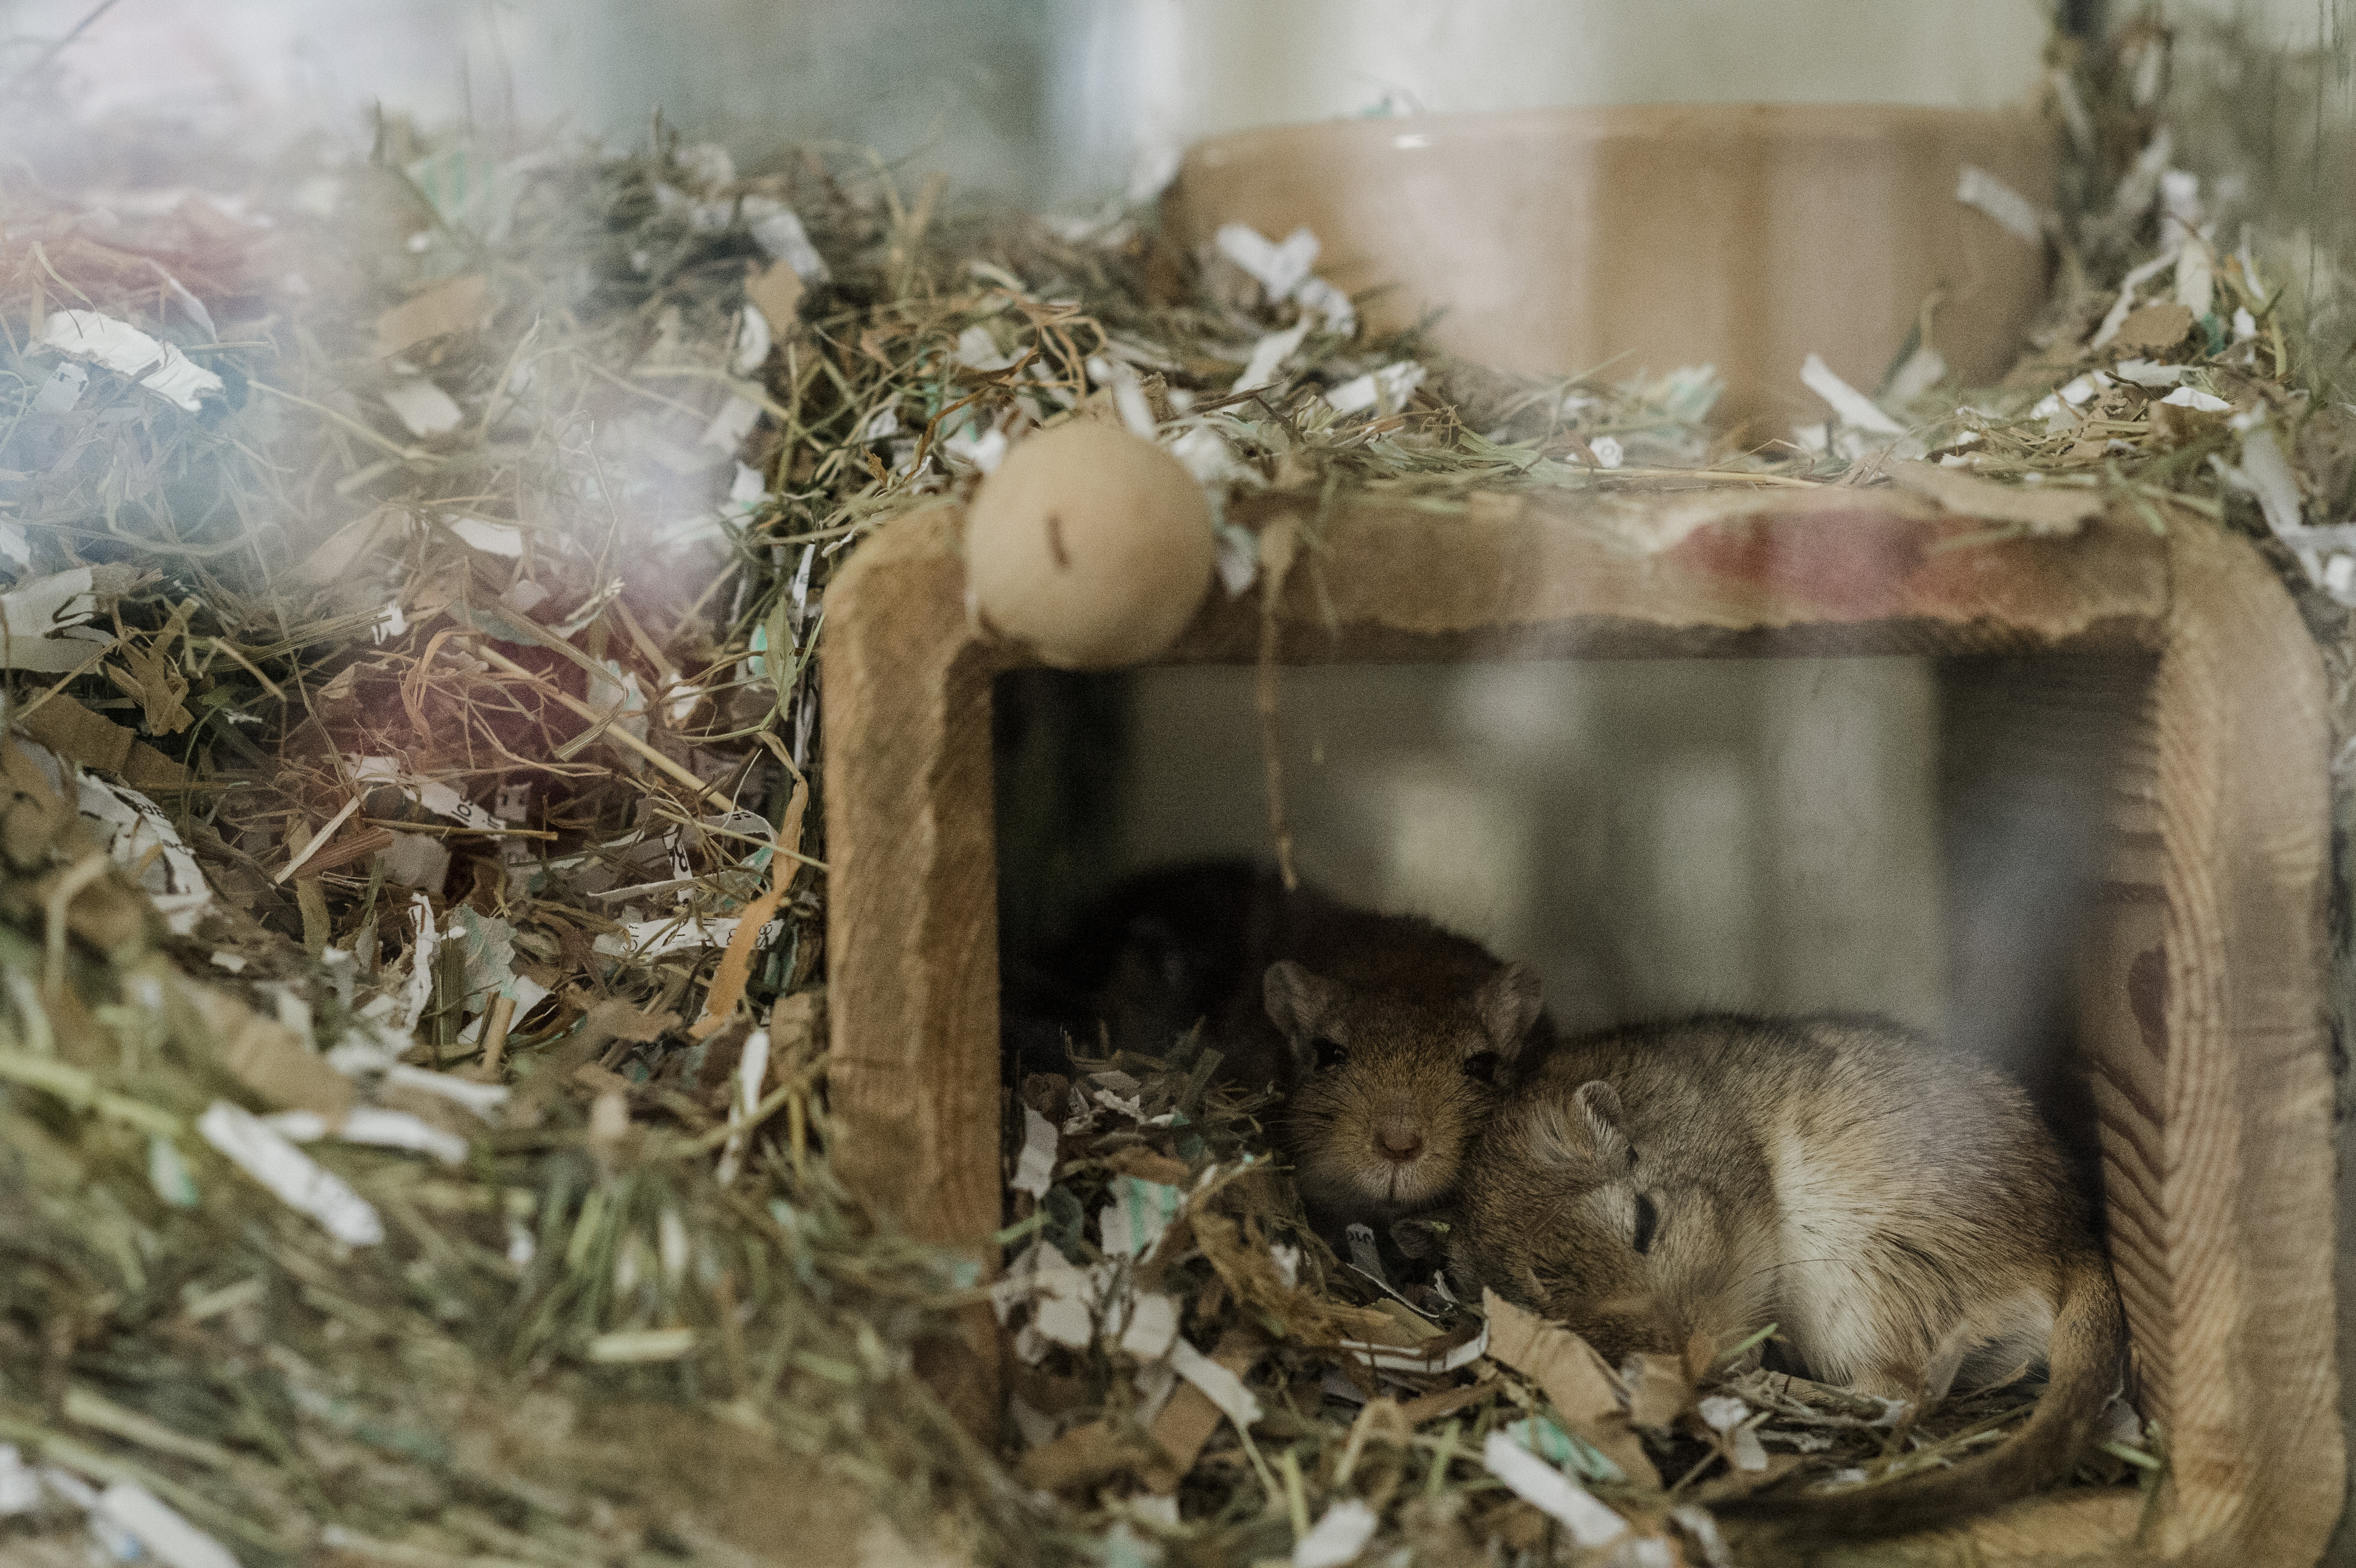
(2241, 747)
(2123, 1032)
(912, 921)
(1703, 572)
(2201, 1000)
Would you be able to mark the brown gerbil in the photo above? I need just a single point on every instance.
(1396, 1055)
(1386, 1035)
(1902, 1216)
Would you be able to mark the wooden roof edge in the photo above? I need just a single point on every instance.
(1724, 570)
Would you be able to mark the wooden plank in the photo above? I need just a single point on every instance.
(2122, 1034)
(2240, 740)
(1709, 572)
(912, 931)
(2200, 1005)
(2122, 1027)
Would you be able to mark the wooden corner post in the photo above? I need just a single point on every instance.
(912, 921)
(2202, 1020)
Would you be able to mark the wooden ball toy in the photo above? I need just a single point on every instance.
(1090, 544)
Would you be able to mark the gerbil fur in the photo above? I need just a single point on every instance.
(1430, 1022)
(1395, 1063)
(1904, 1217)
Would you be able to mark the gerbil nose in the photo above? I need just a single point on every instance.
(1398, 1139)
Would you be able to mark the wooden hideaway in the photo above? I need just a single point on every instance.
(2199, 993)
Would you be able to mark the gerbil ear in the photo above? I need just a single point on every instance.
(1509, 1005)
(1605, 1119)
(1591, 1135)
(1298, 1003)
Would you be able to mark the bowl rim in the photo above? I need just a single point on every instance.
(1794, 123)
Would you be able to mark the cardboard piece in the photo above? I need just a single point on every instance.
(455, 305)
(1574, 1377)
(1188, 1422)
(1659, 1393)
(2152, 328)
(1084, 1453)
(2042, 510)
(77, 734)
(269, 1059)
(777, 292)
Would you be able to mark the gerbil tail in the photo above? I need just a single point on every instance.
(2089, 1340)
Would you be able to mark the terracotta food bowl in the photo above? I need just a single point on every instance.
(1746, 236)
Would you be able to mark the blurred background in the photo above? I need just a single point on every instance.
(1063, 102)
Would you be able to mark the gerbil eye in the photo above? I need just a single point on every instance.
(1483, 1065)
(1331, 1052)
(1649, 1222)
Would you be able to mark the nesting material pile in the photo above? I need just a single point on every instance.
(1196, 1371)
(411, 897)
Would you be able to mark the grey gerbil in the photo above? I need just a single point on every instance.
(1902, 1216)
